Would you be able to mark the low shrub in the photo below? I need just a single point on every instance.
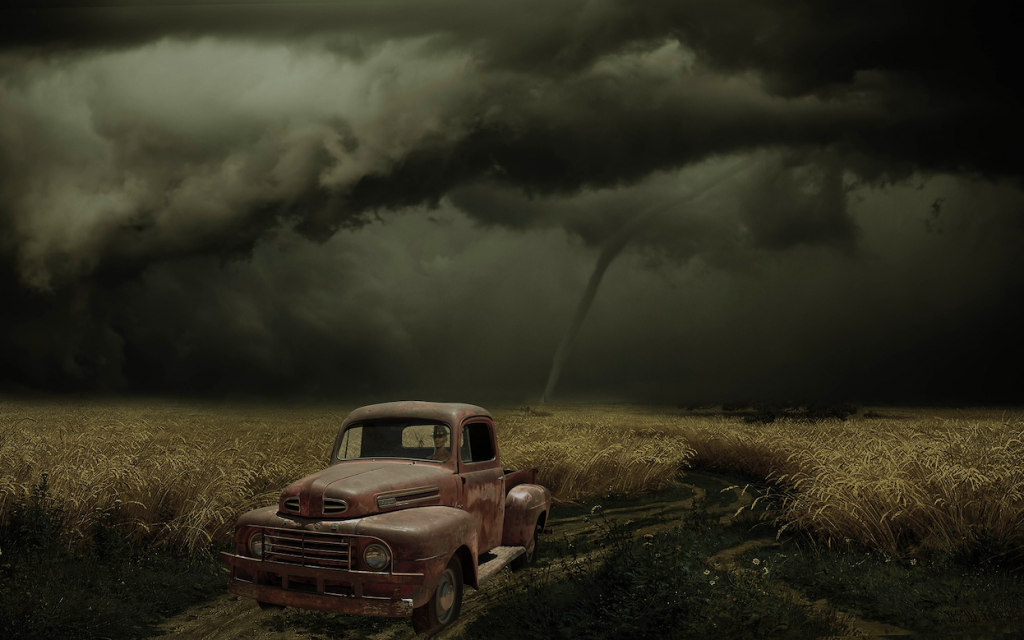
(657, 585)
(113, 588)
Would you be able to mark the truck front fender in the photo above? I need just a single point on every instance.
(427, 533)
(524, 506)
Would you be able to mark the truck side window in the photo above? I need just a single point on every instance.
(476, 443)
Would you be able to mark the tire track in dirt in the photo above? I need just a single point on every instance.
(229, 617)
(857, 626)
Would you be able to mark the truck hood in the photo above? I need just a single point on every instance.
(356, 488)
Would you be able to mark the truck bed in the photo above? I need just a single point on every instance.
(523, 476)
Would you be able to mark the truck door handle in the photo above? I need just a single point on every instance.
(463, 479)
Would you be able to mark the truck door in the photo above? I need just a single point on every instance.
(483, 482)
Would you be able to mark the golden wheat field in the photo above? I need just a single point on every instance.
(178, 474)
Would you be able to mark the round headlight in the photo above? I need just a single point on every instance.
(256, 545)
(376, 556)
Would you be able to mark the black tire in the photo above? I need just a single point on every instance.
(444, 605)
(528, 558)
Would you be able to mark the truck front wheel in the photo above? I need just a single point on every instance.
(443, 607)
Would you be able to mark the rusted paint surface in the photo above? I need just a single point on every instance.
(516, 478)
(423, 511)
(524, 505)
(360, 482)
(423, 532)
(450, 412)
(483, 496)
(483, 486)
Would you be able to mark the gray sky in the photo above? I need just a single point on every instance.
(379, 200)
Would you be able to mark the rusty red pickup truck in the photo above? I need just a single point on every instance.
(414, 505)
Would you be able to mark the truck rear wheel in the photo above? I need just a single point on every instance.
(443, 607)
(527, 558)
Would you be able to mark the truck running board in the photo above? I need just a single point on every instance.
(495, 560)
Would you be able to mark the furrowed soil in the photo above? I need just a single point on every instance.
(727, 499)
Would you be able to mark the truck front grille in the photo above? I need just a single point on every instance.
(306, 548)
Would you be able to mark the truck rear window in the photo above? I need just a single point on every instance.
(411, 440)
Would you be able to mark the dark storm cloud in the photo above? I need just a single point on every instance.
(901, 88)
(408, 308)
(938, 64)
(142, 144)
(549, 101)
(176, 149)
(944, 66)
(447, 309)
(799, 200)
(521, 33)
(60, 341)
(119, 159)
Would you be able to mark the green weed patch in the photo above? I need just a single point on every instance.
(618, 585)
(110, 587)
(937, 596)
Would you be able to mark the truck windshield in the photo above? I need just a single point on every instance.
(410, 440)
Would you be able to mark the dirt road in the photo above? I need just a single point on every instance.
(229, 617)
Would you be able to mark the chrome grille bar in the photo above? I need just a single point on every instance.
(291, 505)
(283, 548)
(307, 548)
(413, 500)
(407, 497)
(334, 506)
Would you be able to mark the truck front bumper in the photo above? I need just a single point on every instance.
(322, 589)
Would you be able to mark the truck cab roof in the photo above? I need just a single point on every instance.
(449, 412)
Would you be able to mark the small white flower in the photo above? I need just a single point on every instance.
(596, 508)
(757, 561)
(707, 572)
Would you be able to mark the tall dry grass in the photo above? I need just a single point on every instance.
(940, 479)
(949, 483)
(585, 452)
(173, 476)
(179, 475)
